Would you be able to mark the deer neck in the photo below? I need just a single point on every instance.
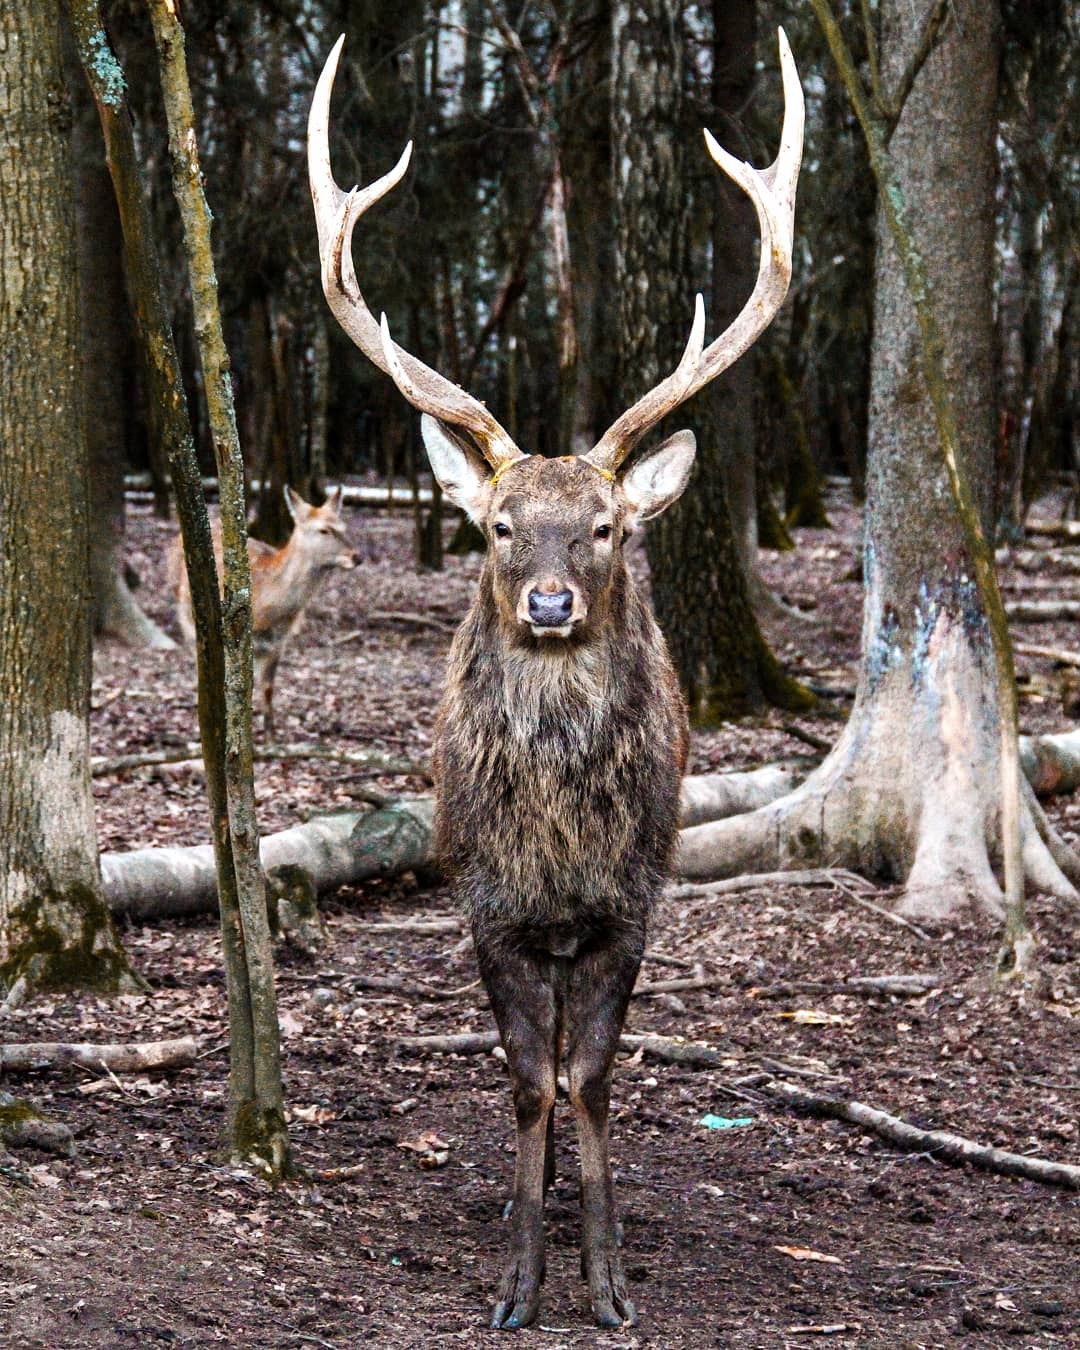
(288, 581)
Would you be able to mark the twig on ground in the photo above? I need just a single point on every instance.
(419, 927)
(132, 1058)
(920, 933)
(753, 881)
(456, 1043)
(678, 986)
(370, 761)
(895, 986)
(807, 737)
(939, 1144)
(1043, 611)
(394, 984)
(1058, 654)
(662, 959)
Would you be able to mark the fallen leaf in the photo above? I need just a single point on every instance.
(808, 1254)
(431, 1149)
(44, 1178)
(311, 1115)
(290, 1024)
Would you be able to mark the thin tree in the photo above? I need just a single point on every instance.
(55, 928)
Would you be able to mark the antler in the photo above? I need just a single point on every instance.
(772, 191)
(336, 214)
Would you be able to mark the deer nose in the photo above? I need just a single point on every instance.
(550, 611)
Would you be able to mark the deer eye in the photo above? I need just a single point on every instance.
(602, 532)
(502, 530)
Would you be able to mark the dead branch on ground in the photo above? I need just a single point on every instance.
(953, 1148)
(371, 761)
(115, 1058)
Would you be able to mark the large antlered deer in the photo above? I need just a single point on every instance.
(562, 734)
(283, 581)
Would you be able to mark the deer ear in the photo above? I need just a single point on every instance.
(461, 471)
(656, 481)
(333, 499)
(298, 508)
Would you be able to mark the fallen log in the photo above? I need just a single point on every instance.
(1043, 611)
(352, 847)
(713, 796)
(23, 1126)
(332, 850)
(150, 1055)
(1051, 764)
(953, 1148)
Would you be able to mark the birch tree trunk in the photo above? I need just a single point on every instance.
(55, 928)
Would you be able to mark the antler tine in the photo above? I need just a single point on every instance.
(772, 191)
(336, 214)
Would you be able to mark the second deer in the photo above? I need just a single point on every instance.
(283, 581)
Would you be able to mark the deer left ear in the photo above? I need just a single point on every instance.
(656, 481)
(461, 472)
(298, 508)
(333, 499)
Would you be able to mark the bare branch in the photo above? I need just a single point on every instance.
(932, 28)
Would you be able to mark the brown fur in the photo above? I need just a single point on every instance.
(558, 762)
(283, 581)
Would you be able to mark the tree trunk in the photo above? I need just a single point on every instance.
(55, 928)
(108, 360)
(257, 1111)
(699, 587)
(913, 788)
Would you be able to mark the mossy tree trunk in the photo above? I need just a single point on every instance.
(700, 589)
(257, 1098)
(108, 365)
(920, 786)
(55, 928)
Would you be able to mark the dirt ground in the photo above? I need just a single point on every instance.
(147, 1237)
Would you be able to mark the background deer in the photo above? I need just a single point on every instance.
(283, 581)
(562, 735)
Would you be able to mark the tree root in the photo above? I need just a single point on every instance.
(876, 810)
(23, 1126)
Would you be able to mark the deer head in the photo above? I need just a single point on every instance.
(555, 526)
(319, 540)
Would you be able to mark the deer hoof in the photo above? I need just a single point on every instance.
(610, 1301)
(518, 1300)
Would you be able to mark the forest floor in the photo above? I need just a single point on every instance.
(779, 1230)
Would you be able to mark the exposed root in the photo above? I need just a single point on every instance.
(882, 805)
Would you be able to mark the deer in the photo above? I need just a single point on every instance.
(562, 735)
(283, 582)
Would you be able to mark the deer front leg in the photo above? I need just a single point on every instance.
(266, 658)
(524, 1004)
(599, 991)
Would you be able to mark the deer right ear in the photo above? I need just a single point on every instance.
(461, 472)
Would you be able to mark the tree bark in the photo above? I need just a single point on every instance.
(700, 590)
(107, 373)
(914, 787)
(257, 1111)
(55, 928)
